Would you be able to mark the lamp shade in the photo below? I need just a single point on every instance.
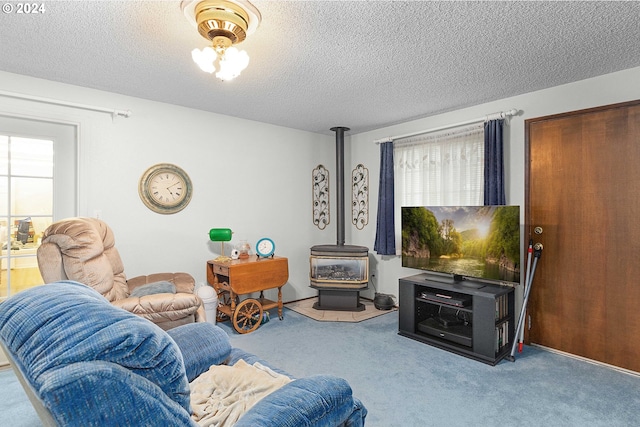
(220, 234)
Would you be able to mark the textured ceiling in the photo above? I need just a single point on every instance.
(319, 64)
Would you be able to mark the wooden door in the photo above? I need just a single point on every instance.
(583, 189)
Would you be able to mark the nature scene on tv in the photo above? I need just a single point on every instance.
(471, 241)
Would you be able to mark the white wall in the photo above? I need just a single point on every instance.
(608, 89)
(251, 177)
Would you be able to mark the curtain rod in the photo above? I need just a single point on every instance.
(114, 113)
(494, 116)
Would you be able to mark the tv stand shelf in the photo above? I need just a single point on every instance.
(470, 318)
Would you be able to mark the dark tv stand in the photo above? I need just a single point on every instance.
(472, 319)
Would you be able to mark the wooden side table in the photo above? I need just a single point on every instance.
(237, 277)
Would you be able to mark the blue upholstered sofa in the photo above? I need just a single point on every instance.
(85, 362)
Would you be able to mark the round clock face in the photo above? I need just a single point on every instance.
(165, 188)
(265, 247)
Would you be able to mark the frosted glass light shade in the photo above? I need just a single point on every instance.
(205, 59)
(232, 63)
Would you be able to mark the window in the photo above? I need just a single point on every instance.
(37, 184)
(440, 169)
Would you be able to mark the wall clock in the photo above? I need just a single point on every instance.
(165, 188)
(265, 247)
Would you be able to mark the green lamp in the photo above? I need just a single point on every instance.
(220, 235)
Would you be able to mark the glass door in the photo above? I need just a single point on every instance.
(30, 187)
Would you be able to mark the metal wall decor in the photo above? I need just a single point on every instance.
(320, 185)
(360, 196)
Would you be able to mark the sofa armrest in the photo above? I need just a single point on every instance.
(238, 353)
(50, 262)
(319, 400)
(202, 345)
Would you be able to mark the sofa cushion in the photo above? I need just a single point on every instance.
(162, 287)
(54, 330)
(202, 345)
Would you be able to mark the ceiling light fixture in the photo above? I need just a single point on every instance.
(224, 23)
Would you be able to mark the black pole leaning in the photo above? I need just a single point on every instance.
(537, 253)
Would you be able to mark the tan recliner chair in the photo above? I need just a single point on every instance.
(82, 249)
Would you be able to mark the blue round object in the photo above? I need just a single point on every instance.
(265, 247)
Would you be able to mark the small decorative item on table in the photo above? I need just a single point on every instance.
(221, 235)
(243, 249)
(265, 248)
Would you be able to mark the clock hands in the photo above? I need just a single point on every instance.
(173, 185)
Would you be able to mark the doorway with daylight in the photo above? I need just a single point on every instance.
(38, 185)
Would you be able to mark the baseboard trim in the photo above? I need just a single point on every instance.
(584, 359)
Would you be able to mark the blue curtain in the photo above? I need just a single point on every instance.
(493, 163)
(385, 229)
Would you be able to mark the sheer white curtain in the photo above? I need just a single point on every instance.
(440, 169)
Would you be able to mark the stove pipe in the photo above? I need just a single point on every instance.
(340, 182)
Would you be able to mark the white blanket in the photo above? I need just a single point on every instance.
(220, 396)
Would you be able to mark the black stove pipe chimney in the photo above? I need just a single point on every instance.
(340, 182)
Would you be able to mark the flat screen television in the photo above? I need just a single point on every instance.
(460, 242)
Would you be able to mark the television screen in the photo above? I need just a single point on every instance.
(480, 242)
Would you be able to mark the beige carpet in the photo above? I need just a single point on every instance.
(305, 307)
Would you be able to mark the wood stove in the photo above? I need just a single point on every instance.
(339, 272)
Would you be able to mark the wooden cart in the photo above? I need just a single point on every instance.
(234, 278)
